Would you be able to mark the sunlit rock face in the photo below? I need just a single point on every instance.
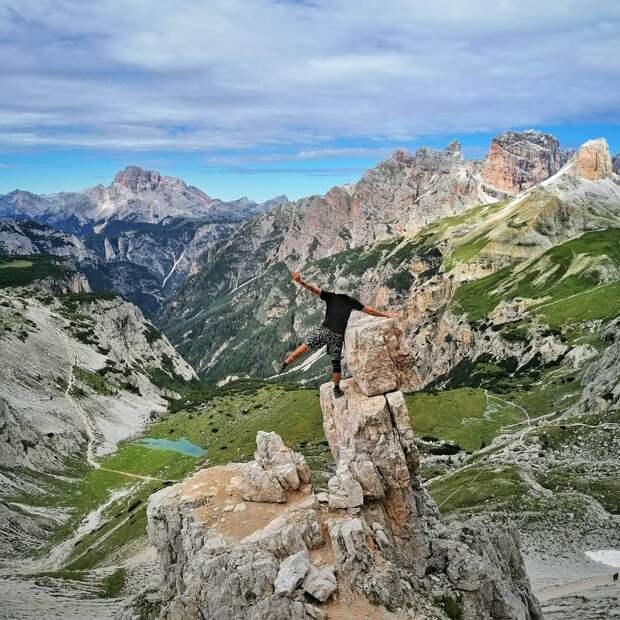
(518, 160)
(593, 160)
(377, 355)
(409, 190)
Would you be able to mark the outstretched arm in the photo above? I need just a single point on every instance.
(310, 287)
(374, 312)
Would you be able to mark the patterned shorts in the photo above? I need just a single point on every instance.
(323, 337)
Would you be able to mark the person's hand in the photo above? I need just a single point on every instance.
(296, 276)
(392, 315)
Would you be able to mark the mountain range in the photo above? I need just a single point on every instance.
(505, 273)
(139, 236)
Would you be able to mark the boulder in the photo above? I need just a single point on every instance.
(377, 355)
(291, 573)
(258, 485)
(275, 470)
(320, 583)
(290, 467)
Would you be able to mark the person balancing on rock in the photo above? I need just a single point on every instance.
(330, 334)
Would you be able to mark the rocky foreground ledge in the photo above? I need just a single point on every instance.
(251, 541)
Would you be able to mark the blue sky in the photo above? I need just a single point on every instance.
(265, 97)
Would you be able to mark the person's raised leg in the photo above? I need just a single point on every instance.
(300, 350)
(290, 358)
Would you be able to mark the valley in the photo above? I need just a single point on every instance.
(506, 277)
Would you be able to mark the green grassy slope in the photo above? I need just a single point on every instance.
(223, 421)
(575, 281)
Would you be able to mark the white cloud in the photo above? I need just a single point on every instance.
(339, 152)
(258, 74)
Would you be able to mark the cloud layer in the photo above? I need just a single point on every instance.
(315, 76)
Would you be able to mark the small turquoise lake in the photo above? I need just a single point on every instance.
(182, 445)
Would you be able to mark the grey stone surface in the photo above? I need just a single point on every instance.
(275, 470)
(387, 539)
(344, 490)
(258, 485)
(320, 583)
(377, 355)
(291, 573)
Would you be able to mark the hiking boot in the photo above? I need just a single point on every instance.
(338, 393)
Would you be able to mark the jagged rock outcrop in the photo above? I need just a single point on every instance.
(379, 540)
(520, 159)
(398, 532)
(275, 470)
(602, 378)
(593, 160)
(616, 163)
(222, 561)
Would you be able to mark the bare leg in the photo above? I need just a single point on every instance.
(300, 350)
(336, 378)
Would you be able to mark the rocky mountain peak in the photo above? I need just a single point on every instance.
(257, 525)
(518, 160)
(20, 203)
(593, 160)
(454, 147)
(138, 180)
(400, 156)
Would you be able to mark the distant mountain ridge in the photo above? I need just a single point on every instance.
(399, 196)
(139, 236)
(134, 195)
(146, 233)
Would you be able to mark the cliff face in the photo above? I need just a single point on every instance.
(594, 161)
(398, 196)
(30, 237)
(407, 191)
(375, 538)
(519, 160)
